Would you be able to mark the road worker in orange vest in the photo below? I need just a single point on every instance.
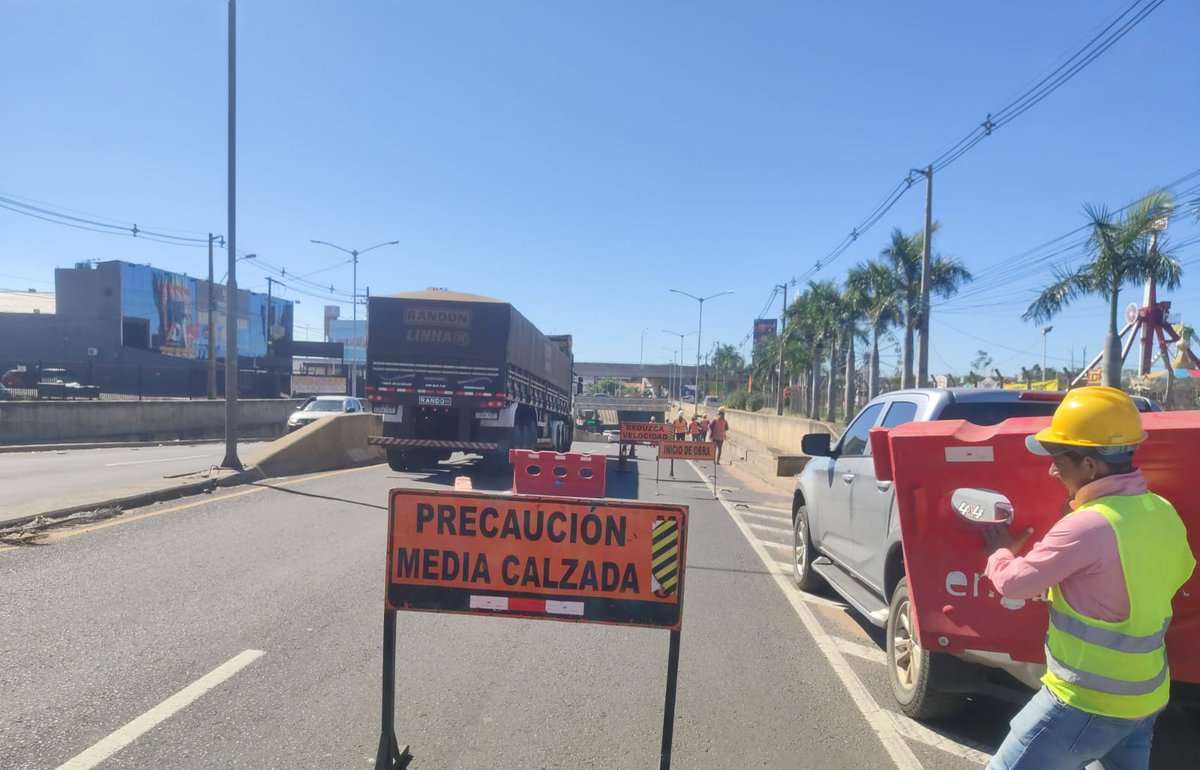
(680, 426)
(720, 428)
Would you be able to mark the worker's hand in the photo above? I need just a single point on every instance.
(999, 536)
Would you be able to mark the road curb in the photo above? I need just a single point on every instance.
(140, 499)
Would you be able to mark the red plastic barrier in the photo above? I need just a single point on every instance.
(956, 607)
(563, 475)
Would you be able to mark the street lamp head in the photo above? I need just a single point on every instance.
(250, 256)
(1047, 329)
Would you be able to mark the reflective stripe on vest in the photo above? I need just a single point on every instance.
(1101, 683)
(1113, 640)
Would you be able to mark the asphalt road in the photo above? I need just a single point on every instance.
(270, 598)
(29, 476)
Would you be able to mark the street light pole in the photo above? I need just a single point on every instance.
(354, 253)
(681, 335)
(231, 358)
(699, 333)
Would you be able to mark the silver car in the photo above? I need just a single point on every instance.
(318, 407)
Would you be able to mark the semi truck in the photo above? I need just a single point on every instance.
(455, 372)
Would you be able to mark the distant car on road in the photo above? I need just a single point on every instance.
(612, 436)
(59, 383)
(319, 407)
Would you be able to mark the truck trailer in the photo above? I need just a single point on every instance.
(454, 372)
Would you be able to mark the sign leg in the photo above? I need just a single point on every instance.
(664, 762)
(672, 467)
(390, 756)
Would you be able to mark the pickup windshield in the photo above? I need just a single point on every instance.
(996, 412)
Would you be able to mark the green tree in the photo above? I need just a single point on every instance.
(874, 283)
(728, 364)
(1122, 251)
(946, 276)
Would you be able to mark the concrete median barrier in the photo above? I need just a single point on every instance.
(49, 422)
(327, 444)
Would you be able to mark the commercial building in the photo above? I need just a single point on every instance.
(139, 330)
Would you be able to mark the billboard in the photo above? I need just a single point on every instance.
(763, 328)
(176, 308)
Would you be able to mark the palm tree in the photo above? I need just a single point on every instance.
(1123, 251)
(854, 308)
(823, 314)
(946, 275)
(876, 284)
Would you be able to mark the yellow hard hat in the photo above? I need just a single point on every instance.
(1092, 418)
(720, 410)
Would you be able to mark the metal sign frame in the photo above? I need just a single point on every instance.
(654, 535)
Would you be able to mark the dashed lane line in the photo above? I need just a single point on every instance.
(130, 732)
(901, 754)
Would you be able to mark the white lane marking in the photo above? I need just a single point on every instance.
(783, 522)
(873, 654)
(123, 736)
(775, 535)
(913, 730)
(889, 734)
(160, 460)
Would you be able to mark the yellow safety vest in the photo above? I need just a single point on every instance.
(1120, 669)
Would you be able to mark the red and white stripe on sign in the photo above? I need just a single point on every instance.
(426, 442)
(518, 604)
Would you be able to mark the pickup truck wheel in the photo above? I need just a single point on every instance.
(917, 675)
(803, 553)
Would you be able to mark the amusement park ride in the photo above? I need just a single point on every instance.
(1153, 318)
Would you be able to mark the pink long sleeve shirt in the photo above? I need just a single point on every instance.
(1079, 555)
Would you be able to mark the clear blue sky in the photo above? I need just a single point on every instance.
(579, 159)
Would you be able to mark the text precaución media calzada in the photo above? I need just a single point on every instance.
(526, 526)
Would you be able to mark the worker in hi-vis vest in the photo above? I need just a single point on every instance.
(680, 426)
(1112, 565)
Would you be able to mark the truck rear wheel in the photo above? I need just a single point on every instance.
(919, 677)
(395, 459)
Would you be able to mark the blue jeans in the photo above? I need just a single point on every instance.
(1048, 733)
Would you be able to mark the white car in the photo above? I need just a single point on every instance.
(318, 407)
(612, 436)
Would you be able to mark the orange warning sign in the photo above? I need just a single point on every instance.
(646, 433)
(554, 558)
(687, 450)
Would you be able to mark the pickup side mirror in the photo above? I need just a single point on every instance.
(816, 445)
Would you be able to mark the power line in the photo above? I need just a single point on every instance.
(1074, 64)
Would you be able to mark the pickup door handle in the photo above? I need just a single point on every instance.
(847, 477)
(883, 486)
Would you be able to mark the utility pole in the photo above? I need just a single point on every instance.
(1045, 335)
(267, 331)
(231, 352)
(212, 324)
(779, 340)
(923, 346)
